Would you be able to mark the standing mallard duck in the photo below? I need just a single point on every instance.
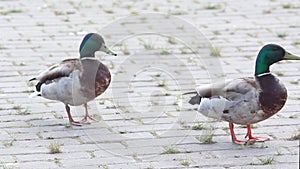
(77, 81)
(246, 100)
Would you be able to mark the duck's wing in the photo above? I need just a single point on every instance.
(62, 69)
(229, 89)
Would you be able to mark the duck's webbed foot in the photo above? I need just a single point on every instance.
(87, 116)
(254, 138)
(251, 139)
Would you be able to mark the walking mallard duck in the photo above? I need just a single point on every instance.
(77, 81)
(246, 100)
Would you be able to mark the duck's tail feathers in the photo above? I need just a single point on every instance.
(195, 99)
(32, 79)
(38, 86)
(189, 93)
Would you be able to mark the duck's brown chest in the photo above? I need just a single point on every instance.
(95, 78)
(272, 96)
(103, 79)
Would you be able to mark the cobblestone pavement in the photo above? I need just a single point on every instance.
(143, 121)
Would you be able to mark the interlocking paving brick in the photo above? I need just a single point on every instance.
(39, 164)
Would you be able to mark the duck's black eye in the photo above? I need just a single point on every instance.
(275, 48)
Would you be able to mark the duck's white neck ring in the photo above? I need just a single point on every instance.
(263, 74)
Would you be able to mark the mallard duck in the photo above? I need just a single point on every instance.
(246, 100)
(77, 81)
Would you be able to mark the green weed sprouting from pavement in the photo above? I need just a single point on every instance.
(296, 42)
(2, 46)
(282, 34)
(279, 73)
(3, 166)
(278, 152)
(172, 40)
(185, 162)
(161, 83)
(165, 51)
(170, 150)
(215, 51)
(54, 148)
(147, 45)
(17, 107)
(207, 136)
(199, 126)
(212, 6)
(266, 160)
(124, 49)
(295, 137)
(287, 5)
(11, 11)
(294, 82)
(216, 32)
(109, 11)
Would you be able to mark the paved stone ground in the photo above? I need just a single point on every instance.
(143, 121)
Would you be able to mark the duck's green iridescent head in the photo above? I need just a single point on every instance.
(91, 43)
(270, 54)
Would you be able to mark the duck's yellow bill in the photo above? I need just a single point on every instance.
(105, 49)
(289, 56)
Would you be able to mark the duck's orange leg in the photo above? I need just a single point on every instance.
(233, 136)
(76, 123)
(256, 138)
(87, 116)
